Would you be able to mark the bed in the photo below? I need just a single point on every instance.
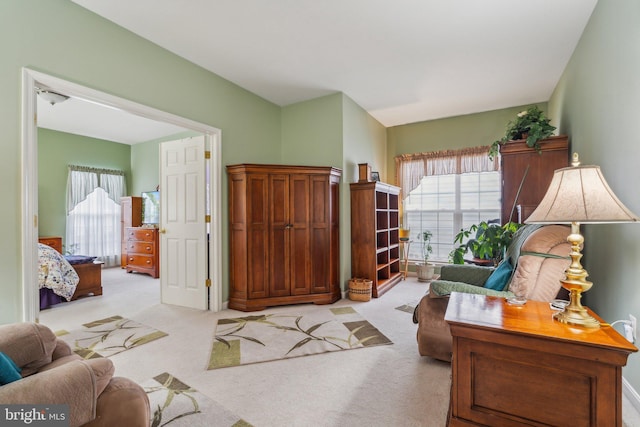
(65, 278)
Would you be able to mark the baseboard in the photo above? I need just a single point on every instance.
(631, 394)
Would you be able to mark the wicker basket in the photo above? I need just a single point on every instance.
(360, 289)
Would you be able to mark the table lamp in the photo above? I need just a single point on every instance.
(578, 194)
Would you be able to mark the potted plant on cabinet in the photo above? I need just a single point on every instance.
(425, 269)
(489, 242)
(531, 125)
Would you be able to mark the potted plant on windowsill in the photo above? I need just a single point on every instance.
(425, 269)
(531, 125)
(489, 242)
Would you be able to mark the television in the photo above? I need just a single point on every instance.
(150, 207)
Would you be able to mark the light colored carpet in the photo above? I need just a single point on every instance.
(273, 336)
(389, 385)
(109, 336)
(176, 404)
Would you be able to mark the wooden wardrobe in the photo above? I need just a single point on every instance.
(522, 162)
(283, 235)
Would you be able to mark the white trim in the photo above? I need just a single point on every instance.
(631, 394)
(31, 79)
(215, 240)
(29, 190)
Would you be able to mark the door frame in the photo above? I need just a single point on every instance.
(29, 178)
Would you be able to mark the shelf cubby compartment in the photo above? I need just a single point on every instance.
(382, 258)
(394, 266)
(382, 239)
(382, 201)
(382, 219)
(394, 236)
(393, 201)
(394, 252)
(384, 273)
(393, 219)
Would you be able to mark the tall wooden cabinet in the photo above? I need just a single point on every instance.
(283, 235)
(375, 228)
(518, 160)
(130, 216)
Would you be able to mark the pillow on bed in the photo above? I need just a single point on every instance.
(79, 259)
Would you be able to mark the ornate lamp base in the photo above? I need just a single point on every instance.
(575, 282)
(576, 314)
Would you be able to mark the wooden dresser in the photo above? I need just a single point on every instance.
(284, 244)
(516, 366)
(143, 250)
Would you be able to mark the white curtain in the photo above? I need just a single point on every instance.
(93, 213)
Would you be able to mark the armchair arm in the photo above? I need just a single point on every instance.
(471, 274)
(442, 288)
(73, 384)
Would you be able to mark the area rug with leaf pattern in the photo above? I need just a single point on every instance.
(274, 336)
(106, 337)
(176, 404)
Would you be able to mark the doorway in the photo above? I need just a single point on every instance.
(31, 80)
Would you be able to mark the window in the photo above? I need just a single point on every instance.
(93, 218)
(444, 204)
(445, 191)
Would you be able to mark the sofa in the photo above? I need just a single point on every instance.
(539, 256)
(38, 368)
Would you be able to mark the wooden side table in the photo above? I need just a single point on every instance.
(515, 365)
(405, 245)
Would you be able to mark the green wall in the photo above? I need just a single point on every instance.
(597, 103)
(334, 131)
(86, 49)
(365, 141)
(452, 133)
(57, 150)
(312, 132)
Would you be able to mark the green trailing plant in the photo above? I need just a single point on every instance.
(484, 241)
(530, 124)
(424, 237)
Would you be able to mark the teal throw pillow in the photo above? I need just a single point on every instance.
(499, 279)
(9, 372)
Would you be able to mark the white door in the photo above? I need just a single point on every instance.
(183, 230)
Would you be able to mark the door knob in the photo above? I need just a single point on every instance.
(163, 231)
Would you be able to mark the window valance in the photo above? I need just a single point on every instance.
(83, 180)
(410, 168)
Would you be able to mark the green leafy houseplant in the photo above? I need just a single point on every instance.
(424, 269)
(531, 124)
(425, 238)
(489, 242)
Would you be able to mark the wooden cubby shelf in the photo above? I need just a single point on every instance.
(375, 245)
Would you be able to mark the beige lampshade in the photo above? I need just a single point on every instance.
(580, 194)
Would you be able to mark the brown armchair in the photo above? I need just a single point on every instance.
(539, 255)
(53, 374)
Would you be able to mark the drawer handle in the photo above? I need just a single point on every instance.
(148, 262)
(148, 248)
(130, 259)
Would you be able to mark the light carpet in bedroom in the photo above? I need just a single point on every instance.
(274, 336)
(106, 337)
(176, 404)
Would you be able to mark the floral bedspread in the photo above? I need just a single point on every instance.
(55, 272)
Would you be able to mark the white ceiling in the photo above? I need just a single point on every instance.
(403, 61)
